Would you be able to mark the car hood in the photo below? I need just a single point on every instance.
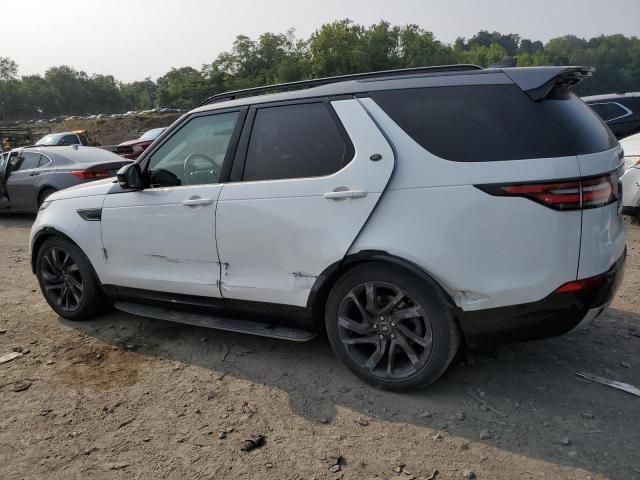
(90, 189)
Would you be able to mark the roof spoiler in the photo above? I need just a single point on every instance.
(539, 82)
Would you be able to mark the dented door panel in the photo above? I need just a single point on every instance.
(275, 237)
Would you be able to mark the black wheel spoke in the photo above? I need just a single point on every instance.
(376, 356)
(370, 289)
(406, 313)
(356, 327)
(392, 304)
(356, 302)
(54, 286)
(408, 350)
(413, 337)
(360, 340)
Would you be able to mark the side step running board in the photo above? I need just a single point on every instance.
(220, 323)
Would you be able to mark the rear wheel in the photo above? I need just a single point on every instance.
(44, 194)
(67, 280)
(391, 328)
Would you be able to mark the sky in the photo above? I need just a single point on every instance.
(134, 39)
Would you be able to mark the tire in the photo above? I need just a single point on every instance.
(61, 266)
(411, 315)
(44, 194)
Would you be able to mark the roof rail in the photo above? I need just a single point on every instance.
(316, 82)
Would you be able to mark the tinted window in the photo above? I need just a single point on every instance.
(195, 153)
(26, 161)
(69, 140)
(609, 110)
(295, 141)
(495, 122)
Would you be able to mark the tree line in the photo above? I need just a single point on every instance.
(337, 48)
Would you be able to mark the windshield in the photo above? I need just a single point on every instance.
(152, 134)
(51, 139)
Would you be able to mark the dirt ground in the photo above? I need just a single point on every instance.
(127, 397)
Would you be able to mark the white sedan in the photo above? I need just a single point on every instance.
(631, 177)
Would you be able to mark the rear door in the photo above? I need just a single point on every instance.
(308, 175)
(22, 182)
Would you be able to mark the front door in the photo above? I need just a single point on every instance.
(22, 184)
(311, 177)
(162, 238)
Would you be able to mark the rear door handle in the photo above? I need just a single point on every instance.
(33, 174)
(195, 202)
(340, 194)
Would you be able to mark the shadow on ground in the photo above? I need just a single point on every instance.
(526, 396)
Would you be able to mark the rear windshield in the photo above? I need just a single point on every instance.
(484, 123)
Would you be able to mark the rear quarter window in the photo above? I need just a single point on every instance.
(495, 122)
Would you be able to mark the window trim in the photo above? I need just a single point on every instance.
(240, 159)
(49, 162)
(627, 110)
(145, 158)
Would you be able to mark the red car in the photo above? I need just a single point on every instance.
(133, 148)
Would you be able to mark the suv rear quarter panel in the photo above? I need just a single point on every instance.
(485, 251)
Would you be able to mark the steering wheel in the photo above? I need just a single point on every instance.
(193, 167)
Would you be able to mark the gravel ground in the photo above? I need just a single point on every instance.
(127, 397)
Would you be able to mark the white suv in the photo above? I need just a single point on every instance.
(400, 212)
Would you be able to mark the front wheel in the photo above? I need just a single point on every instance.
(391, 328)
(67, 280)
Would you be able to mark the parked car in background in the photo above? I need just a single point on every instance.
(631, 177)
(76, 137)
(133, 148)
(29, 175)
(621, 111)
(399, 212)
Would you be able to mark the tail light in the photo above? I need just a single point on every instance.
(91, 174)
(575, 194)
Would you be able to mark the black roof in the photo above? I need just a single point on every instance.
(536, 81)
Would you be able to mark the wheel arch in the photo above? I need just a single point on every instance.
(327, 279)
(41, 236)
(42, 189)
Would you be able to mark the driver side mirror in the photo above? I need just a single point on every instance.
(130, 177)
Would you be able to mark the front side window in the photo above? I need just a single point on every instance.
(194, 154)
(295, 141)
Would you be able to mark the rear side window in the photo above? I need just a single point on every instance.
(27, 161)
(295, 141)
(609, 111)
(495, 122)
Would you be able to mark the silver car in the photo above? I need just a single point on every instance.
(29, 175)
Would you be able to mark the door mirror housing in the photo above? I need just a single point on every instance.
(130, 177)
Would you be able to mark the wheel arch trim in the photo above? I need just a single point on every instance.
(325, 281)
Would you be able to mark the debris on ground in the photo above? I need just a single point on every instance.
(9, 356)
(469, 475)
(21, 386)
(254, 442)
(485, 435)
(625, 387)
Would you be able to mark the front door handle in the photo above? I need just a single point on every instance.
(197, 201)
(33, 174)
(340, 194)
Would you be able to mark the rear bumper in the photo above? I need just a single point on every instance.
(553, 315)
